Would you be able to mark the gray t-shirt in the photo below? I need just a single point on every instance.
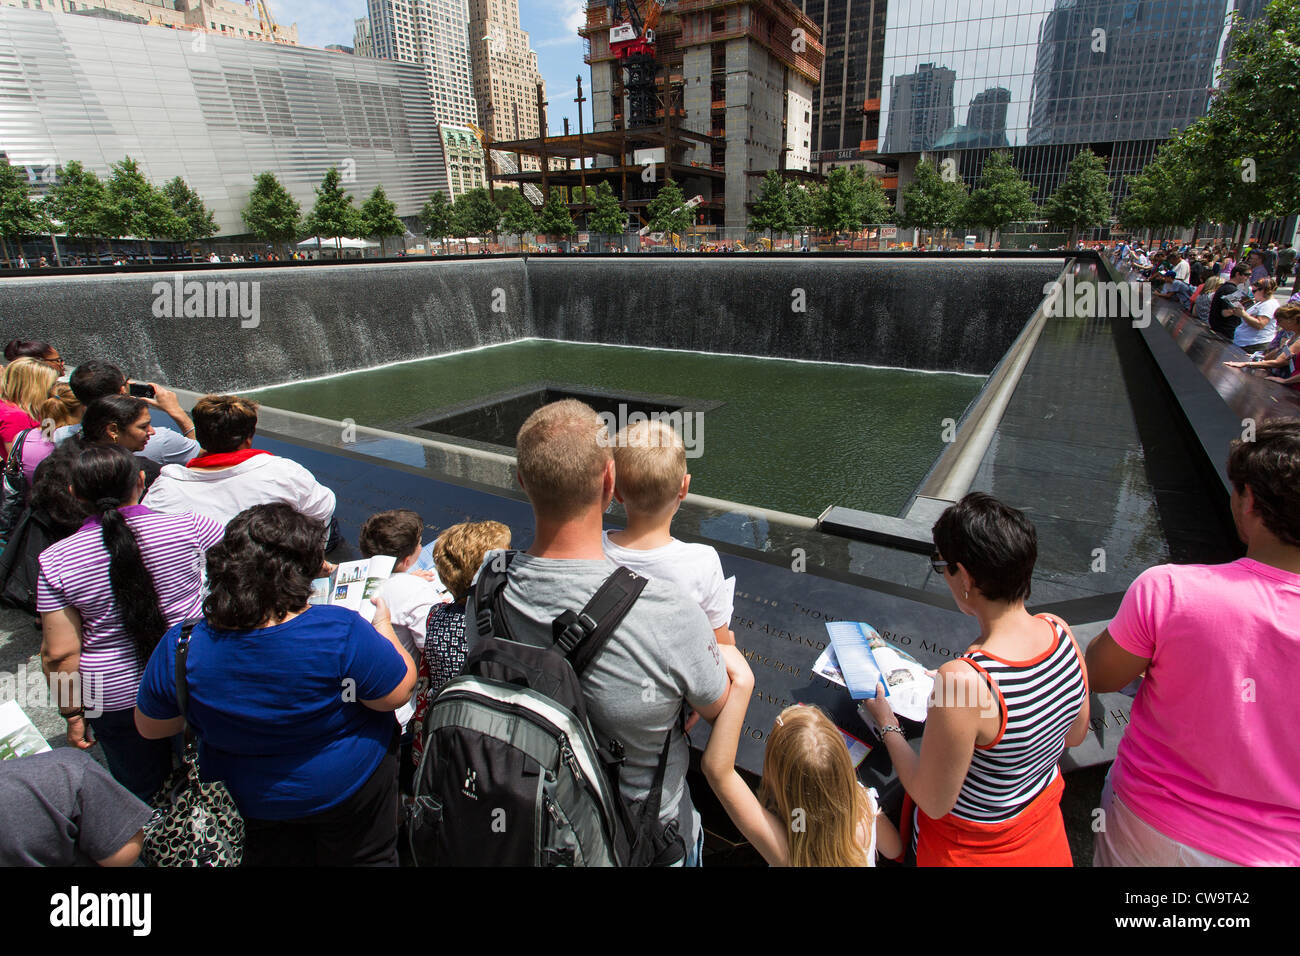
(663, 656)
(63, 809)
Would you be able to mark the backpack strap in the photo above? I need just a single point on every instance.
(582, 636)
(489, 609)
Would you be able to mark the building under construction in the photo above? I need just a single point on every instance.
(713, 93)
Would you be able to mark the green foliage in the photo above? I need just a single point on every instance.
(838, 202)
(519, 217)
(436, 216)
(1083, 200)
(667, 212)
(475, 214)
(555, 218)
(192, 218)
(1002, 196)
(608, 218)
(272, 214)
(930, 201)
(19, 215)
(873, 203)
(78, 202)
(135, 207)
(379, 218)
(772, 212)
(802, 200)
(333, 216)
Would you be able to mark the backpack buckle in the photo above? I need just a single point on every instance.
(557, 856)
(572, 629)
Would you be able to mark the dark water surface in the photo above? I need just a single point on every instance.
(791, 436)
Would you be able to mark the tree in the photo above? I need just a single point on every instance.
(192, 220)
(436, 217)
(476, 214)
(932, 202)
(1083, 199)
(333, 216)
(667, 212)
(608, 217)
(873, 207)
(837, 203)
(1002, 196)
(19, 215)
(78, 202)
(519, 217)
(272, 214)
(772, 208)
(379, 219)
(801, 200)
(555, 218)
(135, 207)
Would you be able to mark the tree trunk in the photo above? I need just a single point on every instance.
(4, 248)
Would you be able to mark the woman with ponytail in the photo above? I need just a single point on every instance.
(106, 596)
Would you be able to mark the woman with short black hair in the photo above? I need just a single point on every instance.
(106, 595)
(292, 703)
(986, 787)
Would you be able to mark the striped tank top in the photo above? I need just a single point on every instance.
(1038, 700)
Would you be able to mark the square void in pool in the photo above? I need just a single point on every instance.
(494, 421)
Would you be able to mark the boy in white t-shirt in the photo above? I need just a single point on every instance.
(650, 481)
(410, 595)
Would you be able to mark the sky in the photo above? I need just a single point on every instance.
(553, 32)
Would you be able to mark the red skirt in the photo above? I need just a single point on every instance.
(1034, 837)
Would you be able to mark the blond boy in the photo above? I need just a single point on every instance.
(650, 482)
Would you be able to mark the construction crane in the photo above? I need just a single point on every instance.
(632, 41)
(267, 22)
(506, 165)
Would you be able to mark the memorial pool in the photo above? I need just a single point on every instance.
(791, 436)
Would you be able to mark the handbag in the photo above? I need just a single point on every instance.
(194, 824)
(13, 489)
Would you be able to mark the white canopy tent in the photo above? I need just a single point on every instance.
(317, 241)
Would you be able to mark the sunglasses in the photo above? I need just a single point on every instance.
(938, 564)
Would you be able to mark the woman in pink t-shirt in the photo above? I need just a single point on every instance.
(1208, 772)
(25, 387)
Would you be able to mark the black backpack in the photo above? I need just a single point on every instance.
(513, 773)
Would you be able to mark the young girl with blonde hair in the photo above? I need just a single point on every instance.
(811, 810)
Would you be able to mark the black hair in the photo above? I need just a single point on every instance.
(119, 410)
(1270, 467)
(263, 568)
(20, 349)
(104, 477)
(95, 379)
(997, 546)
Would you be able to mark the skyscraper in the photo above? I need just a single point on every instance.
(846, 103)
(362, 44)
(921, 109)
(505, 71)
(435, 34)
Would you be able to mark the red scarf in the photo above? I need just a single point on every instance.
(225, 459)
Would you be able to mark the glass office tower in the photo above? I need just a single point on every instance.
(214, 110)
(1047, 78)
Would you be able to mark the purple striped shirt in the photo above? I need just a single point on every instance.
(74, 573)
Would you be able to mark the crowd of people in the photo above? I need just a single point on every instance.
(153, 527)
(1234, 294)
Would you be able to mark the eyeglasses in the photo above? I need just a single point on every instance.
(938, 564)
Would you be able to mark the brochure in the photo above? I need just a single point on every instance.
(18, 735)
(859, 659)
(353, 584)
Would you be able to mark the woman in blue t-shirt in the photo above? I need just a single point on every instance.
(292, 704)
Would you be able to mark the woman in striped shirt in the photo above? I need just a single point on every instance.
(106, 596)
(986, 786)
